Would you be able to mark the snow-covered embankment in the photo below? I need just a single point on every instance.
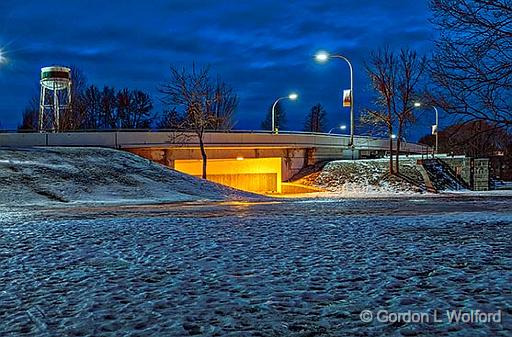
(366, 177)
(39, 176)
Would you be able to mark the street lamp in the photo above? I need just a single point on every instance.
(3, 59)
(292, 97)
(435, 128)
(341, 127)
(324, 57)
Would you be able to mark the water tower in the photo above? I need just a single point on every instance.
(55, 96)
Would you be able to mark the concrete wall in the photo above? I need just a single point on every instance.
(474, 172)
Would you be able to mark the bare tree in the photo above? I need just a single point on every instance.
(224, 103)
(381, 68)
(76, 116)
(108, 107)
(29, 119)
(316, 120)
(92, 96)
(202, 105)
(395, 79)
(472, 60)
(141, 106)
(170, 119)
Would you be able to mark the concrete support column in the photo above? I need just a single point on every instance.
(168, 161)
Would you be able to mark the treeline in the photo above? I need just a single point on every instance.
(94, 108)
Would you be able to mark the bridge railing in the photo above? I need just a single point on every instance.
(151, 137)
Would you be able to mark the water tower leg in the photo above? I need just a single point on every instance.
(55, 109)
(41, 109)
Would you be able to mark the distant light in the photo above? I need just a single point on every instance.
(239, 158)
(293, 96)
(393, 136)
(3, 59)
(343, 127)
(417, 104)
(322, 56)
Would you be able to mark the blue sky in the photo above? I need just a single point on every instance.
(264, 48)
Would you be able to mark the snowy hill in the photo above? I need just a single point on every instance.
(96, 175)
(366, 177)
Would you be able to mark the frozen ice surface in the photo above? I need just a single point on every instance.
(301, 268)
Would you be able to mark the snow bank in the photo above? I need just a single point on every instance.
(41, 176)
(366, 177)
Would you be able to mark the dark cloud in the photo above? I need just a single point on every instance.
(264, 49)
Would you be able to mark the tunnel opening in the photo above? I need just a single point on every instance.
(259, 175)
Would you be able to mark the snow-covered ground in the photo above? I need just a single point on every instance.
(291, 268)
(365, 178)
(45, 176)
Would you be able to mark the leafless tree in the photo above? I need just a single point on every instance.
(316, 119)
(30, 115)
(472, 61)
(395, 79)
(75, 117)
(108, 107)
(202, 104)
(224, 103)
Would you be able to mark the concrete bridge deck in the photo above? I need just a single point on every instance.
(144, 138)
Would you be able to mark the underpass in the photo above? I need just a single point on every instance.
(250, 160)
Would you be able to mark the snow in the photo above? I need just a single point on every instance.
(56, 176)
(247, 269)
(361, 178)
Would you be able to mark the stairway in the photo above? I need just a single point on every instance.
(439, 176)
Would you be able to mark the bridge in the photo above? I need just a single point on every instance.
(251, 160)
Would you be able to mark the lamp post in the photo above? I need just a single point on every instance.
(324, 57)
(436, 126)
(292, 97)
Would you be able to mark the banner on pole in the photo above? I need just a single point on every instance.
(347, 98)
(434, 129)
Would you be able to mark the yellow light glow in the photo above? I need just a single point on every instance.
(322, 56)
(239, 158)
(260, 175)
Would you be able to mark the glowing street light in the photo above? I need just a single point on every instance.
(323, 57)
(292, 97)
(341, 127)
(435, 128)
(393, 136)
(3, 59)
